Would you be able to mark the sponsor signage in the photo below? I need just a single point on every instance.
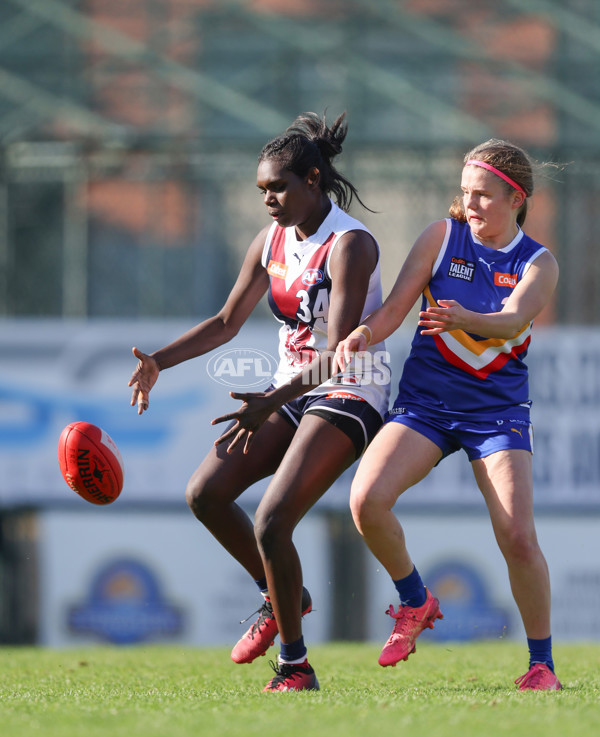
(461, 269)
(125, 605)
(505, 280)
(277, 269)
(87, 367)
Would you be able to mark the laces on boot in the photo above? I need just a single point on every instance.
(264, 613)
(283, 672)
(292, 677)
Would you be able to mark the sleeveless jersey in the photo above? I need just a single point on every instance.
(458, 373)
(299, 295)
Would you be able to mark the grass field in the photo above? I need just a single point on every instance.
(451, 689)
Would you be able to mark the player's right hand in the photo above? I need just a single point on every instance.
(142, 380)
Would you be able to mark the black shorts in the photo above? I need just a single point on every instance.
(351, 414)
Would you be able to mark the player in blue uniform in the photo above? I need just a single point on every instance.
(464, 385)
(320, 268)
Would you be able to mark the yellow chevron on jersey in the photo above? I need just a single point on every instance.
(478, 357)
(458, 373)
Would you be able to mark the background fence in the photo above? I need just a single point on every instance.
(129, 132)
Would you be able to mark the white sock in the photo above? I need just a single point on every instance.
(292, 662)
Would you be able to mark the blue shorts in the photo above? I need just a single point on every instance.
(478, 438)
(353, 415)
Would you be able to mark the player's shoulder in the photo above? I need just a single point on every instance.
(433, 236)
(341, 221)
(535, 252)
(263, 235)
(544, 260)
(349, 232)
(528, 243)
(261, 244)
(439, 229)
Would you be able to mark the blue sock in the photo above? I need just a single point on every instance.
(540, 651)
(262, 584)
(411, 589)
(293, 651)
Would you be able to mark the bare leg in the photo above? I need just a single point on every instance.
(397, 459)
(316, 457)
(222, 477)
(505, 480)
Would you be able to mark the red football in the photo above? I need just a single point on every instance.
(90, 462)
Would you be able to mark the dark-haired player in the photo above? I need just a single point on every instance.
(320, 268)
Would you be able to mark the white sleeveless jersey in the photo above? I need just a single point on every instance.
(299, 294)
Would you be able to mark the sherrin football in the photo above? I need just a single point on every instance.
(90, 462)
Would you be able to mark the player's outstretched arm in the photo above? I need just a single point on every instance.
(250, 286)
(528, 298)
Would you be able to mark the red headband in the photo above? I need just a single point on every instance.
(499, 173)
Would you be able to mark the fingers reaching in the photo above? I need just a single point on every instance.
(247, 420)
(443, 317)
(345, 351)
(142, 380)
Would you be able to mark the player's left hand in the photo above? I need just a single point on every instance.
(447, 315)
(254, 412)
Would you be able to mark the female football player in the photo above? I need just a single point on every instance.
(320, 268)
(464, 385)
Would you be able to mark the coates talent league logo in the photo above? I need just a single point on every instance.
(125, 605)
(470, 613)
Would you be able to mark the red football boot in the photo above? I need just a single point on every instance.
(292, 677)
(261, 635)
(410, 622)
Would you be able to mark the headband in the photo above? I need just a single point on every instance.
(499, 173)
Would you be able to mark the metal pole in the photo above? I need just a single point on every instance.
(75, 254)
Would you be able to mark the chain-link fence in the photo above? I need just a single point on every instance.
(132, 234)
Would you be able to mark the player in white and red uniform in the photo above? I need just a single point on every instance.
(299, 296)
(320, 268)
(465, 386)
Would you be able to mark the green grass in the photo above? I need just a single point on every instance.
(453, 689)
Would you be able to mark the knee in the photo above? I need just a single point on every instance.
(519, 546)
(366, 505)
(200, 496)
(270, 530)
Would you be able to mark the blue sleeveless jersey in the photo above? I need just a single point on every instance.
(460, 374)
